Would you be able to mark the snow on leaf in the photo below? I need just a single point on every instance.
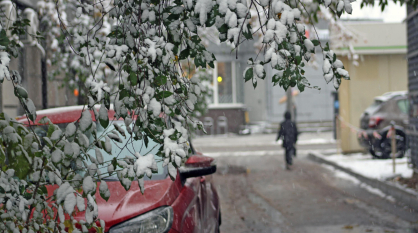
(107, 145)
(61, 214)
(326, 67)
(89, 186)
(85, 121)
(92, 169)
(69, 203)
(99, 156)
(103, 116)
(63, 191)
(172, 171)
(70, 130)
(328, 77)
(56, 155)
(81, 205)
(104, 190)
(145, 165)
(56, 135)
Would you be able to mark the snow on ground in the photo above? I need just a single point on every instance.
(370, 189)
(366, 166)
(312, 141)
(263, 152)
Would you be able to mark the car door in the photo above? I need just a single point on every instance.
(210, 204)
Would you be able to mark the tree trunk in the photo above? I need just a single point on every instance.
(289, 103)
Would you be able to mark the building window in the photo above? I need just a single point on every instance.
(225, 84)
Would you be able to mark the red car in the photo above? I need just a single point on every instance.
(188, 204)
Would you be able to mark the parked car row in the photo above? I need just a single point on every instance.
(388, 109)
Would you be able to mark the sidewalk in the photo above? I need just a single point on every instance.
(260, 144)
(260, 139)
(366, 171)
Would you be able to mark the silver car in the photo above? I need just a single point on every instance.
(391, 107)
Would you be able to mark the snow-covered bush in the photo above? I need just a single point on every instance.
(129, 54)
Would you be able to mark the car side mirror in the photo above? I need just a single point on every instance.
(197, 165)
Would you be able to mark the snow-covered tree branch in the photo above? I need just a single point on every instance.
(128, 55)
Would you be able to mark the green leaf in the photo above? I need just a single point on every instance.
(4, 41)
(146, 140)
(248, 74)
(20, 164)
(44, 120)
(103, 195)
(198, 61)
(301, 87)
(326, 47)
(133, 78)
(334, 58)
(2, 157)
(315, 42)
(163, 94)
(248, 35)
(276, 78)
(51, 129)
(123, 93)
(298, 59)
(292, 82)
(254, 82)
(211, 19)
(42, 190)
(161, 80)
(184, 54)
(223, 29)
(114, 163)
(172, 17)
(104, 122)
(107, 100)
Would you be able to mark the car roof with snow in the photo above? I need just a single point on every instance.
(389, 95)
(64, 114)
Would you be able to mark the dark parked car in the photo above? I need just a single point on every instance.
(190, 204)
(391, 107)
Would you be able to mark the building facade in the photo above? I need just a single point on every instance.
(241, 104)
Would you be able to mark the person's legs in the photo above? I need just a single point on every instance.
(289, 153)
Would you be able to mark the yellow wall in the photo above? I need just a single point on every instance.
(375, 75)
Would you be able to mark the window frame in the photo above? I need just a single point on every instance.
(215, 98)
(406, 103)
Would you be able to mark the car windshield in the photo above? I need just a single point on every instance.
(374, 107)
(121, 150)
(127, 149)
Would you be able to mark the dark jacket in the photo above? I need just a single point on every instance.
(289, 132)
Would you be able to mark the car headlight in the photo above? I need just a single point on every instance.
(155, 221)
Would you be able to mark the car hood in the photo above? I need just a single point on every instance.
(123, 205)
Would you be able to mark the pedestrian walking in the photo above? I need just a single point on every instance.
(288, 132)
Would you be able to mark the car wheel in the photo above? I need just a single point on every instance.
(386, 146)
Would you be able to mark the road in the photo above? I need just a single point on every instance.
(259, 195)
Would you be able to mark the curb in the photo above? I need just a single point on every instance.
(400, 195)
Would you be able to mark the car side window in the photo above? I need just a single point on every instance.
(403, 106)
